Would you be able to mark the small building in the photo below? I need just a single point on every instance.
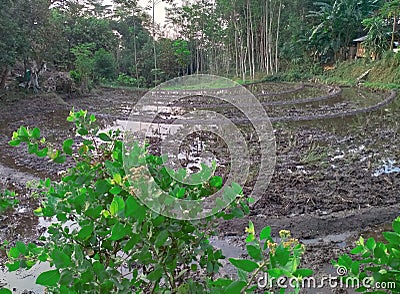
(360, 49)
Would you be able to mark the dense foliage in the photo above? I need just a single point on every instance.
(232, 38)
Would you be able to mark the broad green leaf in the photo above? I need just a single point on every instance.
(265, 233)
(117, 178)
(78, 252)
(396, 225)
(244, 264)
(115, 190)
(43, 257)
(132, 207)
(21, 247)
(392, 237)
(82, 132)
(49, 278)
(216, 182)
(15, 142)
(237, 188)
(118, 231)
(155, 275)
(357, 250)
(355, 268)
(43, 152)
(379, 252)
(117, 205)
(23, 133)
(94, 213)
(210, 267)
(85, 232)
(14, 252)
(60, 259)
(12, 267)
(99, 270)
(282, 255)
(5, 291)
(161, 238)
(370, 244)
(235, 288)
(221, 282)
(158, 221)
(254, 252)
(275, 272)
(102, 186)
(60, 159)
(245, 207)
(104, 137)
(32, 148)
(135, 238)
(193, 267)
(36, 133)
(237, 212)
(67, 146)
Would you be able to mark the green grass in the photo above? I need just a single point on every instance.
(384, 74)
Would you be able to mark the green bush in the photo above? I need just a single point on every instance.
(269, 262)
(104, 240)
(76, 76)
(128, 81)
(376, 265)
(7, 200)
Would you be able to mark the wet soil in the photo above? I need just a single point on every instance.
(323, 190)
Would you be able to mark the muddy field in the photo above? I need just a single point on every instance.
(325, 189)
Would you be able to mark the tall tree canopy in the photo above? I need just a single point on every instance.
(233, 38)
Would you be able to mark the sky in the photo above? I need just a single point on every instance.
(159, 11)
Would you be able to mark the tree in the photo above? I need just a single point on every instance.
(11, 45)
(182, 55)
(104, 64)
(84, 64)
(377, 36)
(329, 36)
(391, 10)
(27, 23)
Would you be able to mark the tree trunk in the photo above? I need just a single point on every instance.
(236, 50)
(154, 45)
(277, 38)
(393, 32)
(248, 45)
(270, 56)
(253, 65)
(3, 77)
(135, 53)
(266, 46)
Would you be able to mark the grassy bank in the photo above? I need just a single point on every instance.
(383, 73)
